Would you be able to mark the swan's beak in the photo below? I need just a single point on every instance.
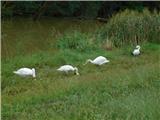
(76, 73)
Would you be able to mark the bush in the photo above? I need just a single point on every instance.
(131, 27)
(75, 41)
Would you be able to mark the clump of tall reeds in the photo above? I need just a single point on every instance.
(131, 27)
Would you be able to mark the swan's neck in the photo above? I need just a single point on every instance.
(91, 61)
(33, 73)
(138, 49)
(76, 71)
(15, 72)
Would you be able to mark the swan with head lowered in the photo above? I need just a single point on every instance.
(98, 61)
(26, 72)
(68, 68)
(136, 51)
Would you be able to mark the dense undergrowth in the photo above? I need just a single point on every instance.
(131, 27)
(76, 41)
(125, 28)
(126, 88)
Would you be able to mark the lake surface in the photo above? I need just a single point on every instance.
(25, 36)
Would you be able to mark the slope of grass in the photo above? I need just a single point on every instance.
(127, 88)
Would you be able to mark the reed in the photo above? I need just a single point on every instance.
(131, 27)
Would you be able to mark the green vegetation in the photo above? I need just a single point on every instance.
(80, 9)
(127, 88)
(131, 27)
(75, 41)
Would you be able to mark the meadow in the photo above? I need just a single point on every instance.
(127, 88)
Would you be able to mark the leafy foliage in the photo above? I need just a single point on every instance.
(86, 9)
(75, 41)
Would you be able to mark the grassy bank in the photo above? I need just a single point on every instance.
(126, 88)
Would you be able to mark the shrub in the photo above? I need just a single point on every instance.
(131, 27)
(75, 41)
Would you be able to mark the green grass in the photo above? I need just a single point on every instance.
(127, 88)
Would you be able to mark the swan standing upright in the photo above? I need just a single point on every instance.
(68, 68)
(25, 72)
(136, 51)
(98, 61)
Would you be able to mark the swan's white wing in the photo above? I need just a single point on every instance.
(99, 60)
(106, 61)
(25, 71)
(66, 68)
(136, 52)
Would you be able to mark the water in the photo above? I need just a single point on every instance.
(24, 36)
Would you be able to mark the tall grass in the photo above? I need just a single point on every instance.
(131, 27)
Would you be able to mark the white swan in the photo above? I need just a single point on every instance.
(68, 68)
(98, 61)
(136, 51)
(25, 72)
